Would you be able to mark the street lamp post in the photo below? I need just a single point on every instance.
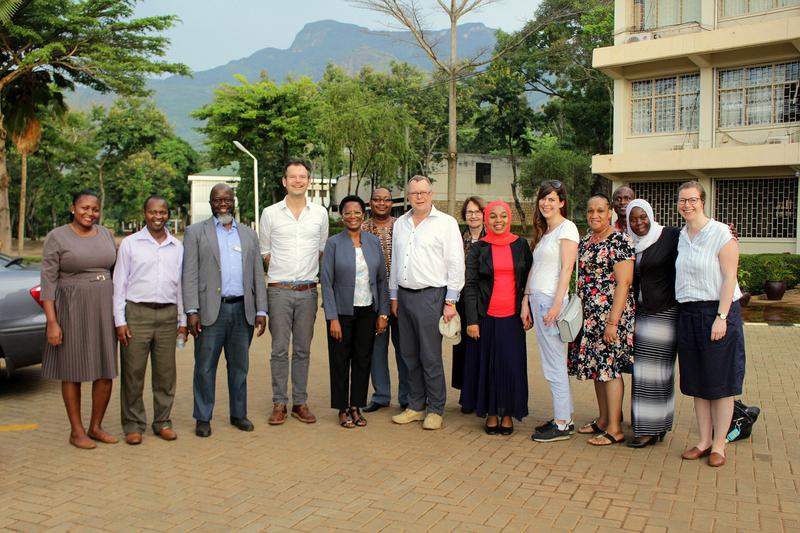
(238, 145)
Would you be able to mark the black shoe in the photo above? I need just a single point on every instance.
(550, 433)
(506, 430)
(202, 429)
(646, 440)
(551, 422)
(467, 410)
(374, 406)
(242, 423)
(491, 430)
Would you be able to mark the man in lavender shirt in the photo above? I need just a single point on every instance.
(148, 307)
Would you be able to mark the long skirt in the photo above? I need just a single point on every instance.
(710, 369)
(499, 386)
(655, 348)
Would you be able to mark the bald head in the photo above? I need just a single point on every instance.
(220, 188)
(620, 199)
(223, 203)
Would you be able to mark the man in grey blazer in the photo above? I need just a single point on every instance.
(224, 295)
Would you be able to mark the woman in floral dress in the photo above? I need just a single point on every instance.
(605, 347)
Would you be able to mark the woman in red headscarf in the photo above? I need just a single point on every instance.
(495, 373)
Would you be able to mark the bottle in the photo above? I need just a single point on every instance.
(180, 340)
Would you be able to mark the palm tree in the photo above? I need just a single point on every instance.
(7, 9)
(25, 101)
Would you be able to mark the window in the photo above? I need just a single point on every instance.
(733, 8)
(652, 14)
(665, 105)
(662, 196)
(764, 94)
(762, 208)
(483, 173)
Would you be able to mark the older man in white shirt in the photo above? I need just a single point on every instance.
(426, 277)
(293, 235)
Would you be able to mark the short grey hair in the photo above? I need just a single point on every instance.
(420, 178)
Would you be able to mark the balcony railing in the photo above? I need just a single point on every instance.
(653, 14)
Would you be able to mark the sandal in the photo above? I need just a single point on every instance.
(358, 419)
(609, 438)
(590, 428)
(345, 421)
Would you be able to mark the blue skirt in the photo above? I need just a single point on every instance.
(496, 370)
(710, 370)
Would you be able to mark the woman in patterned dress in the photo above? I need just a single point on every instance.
(605, 346)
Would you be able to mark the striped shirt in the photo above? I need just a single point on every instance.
(698, 276)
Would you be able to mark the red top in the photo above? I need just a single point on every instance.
(502, 302)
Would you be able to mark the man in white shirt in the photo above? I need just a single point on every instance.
(293, 235)
(427, 275)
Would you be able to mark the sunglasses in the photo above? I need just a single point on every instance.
(552, 183)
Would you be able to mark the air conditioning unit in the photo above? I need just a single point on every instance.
(782, 139)
(636, 37)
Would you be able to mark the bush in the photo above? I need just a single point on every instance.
(767, 267)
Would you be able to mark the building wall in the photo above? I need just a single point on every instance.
(199, 208)
(760, 163)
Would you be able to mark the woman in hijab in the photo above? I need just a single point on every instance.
(497, 270)
(655, 337)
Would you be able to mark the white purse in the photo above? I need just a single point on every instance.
(570, 319)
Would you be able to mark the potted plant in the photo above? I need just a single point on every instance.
(743, 276)
(778, 272)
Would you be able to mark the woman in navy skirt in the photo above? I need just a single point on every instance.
(711, 339)
(497, 269)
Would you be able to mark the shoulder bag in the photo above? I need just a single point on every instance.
(570, 319)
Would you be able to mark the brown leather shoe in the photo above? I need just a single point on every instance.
(278, 415)
(695, 453)
(716, 459)
(167, 433)
(133, 438)
(303, 414)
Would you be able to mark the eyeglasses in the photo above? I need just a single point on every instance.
(691, 201)
(471, 213)
(420, 194)
(221, 201)
(352, 214)
(552, 183)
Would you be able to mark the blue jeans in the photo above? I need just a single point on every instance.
(381, 381)
(231, 332)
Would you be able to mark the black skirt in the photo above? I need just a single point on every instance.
(710, 370)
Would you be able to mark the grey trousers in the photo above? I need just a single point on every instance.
(153, 334)
(421, 347)
(291, 318)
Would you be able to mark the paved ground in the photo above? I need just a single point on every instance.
(391, 478)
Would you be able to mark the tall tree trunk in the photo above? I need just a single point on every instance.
(452, 140)
(514, 186)
(5, 183)
(23, 186)
(350, 175)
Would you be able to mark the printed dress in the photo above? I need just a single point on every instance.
(589, 356)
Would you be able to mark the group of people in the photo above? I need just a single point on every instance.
(648, 292)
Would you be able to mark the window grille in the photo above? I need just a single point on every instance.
(663, 197)
(653, 14)
(758, 95)
(733, 8)
(758, 207)
(665, 105)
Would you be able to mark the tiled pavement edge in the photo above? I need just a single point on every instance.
(385, 477)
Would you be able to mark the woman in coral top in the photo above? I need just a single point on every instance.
(497, 270)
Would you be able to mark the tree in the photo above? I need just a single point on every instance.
(410, 15)
(90, 42)
(275, 122)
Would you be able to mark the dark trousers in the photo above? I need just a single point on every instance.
(350, 358)
(231, 332)
(153, 334)
(421, 346)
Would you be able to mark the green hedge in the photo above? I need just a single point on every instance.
(765, 267)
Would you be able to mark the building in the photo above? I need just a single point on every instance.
(709, 90)
(487, 176)
(201, 184)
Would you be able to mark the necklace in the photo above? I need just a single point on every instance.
(597, 237)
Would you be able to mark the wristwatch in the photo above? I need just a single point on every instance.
(723, 316)
(385, 317)
(450, 303)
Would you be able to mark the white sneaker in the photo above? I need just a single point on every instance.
(408, 416)
(432, 421)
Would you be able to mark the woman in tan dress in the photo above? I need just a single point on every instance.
(77, 297)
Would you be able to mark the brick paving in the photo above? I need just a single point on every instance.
(384, 477)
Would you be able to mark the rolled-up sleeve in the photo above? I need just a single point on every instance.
(454, 256)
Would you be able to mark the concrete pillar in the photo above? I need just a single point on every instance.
(622, 114)
(707, 108)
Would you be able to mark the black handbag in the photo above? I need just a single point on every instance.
(742, 421)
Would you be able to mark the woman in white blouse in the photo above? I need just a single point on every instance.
(710, 339)
(555, 246)
(356, 303)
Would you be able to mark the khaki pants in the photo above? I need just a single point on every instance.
(153, 333)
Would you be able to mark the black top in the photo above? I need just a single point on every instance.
(480, 277)
(654, 276)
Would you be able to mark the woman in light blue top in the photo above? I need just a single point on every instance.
(356, 303)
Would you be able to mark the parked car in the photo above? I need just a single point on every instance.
(22, 320)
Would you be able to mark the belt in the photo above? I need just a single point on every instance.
(232, 299)
(418, 290)
(151, 305)
(291, 287)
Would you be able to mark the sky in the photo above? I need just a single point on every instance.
(211, 33)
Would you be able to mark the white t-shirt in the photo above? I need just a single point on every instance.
(547, 258)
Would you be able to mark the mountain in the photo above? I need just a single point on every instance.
(317, 44)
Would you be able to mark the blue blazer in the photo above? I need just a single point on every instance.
(339, 274)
